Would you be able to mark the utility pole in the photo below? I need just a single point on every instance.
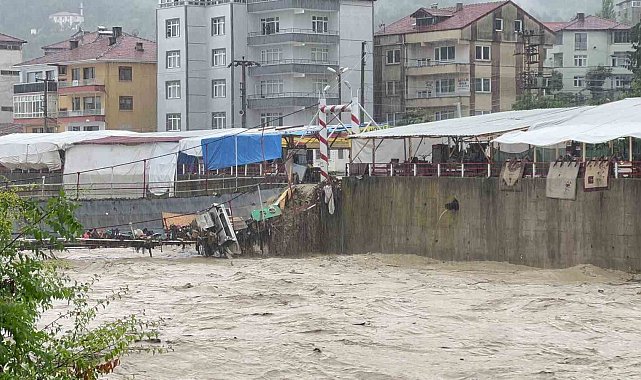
(45, 102)
(363, 59)
(244, 64)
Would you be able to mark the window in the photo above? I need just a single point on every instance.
(173, 122)
(621, 37)
(320, 54)
(558, 59)
(173, 59)
(319, 24)
(271, 119)
(6, 109)
(319, 85)
(50, 74)
(75, 104)
(126, 103)
(75, 74)
(218, 88)
(271, 56)
(88, 73)
(622, 82)
(32, 106)
(270, 25)
(483, 53)
(620, 61)
(558, 38)
(341, 154)
(270, 87)
(91, 103)
(423, 94)
(580, 41)
(498, 24)
(218, 26)
(580, 60)
(579, 81)
(444, 115)
(478, 113)
(62, 70)
(392, 87)
(394, 57)
(173, 27)
(636, 4)
(125, 73)
(445, 53)
(482, 85)
(10, 73)
(518, 26)
(218, 120)
(445, 86)
(218, 57)
(172, 89)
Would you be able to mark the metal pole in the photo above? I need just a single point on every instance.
(243, 94)
(261, 219)
(46, 105)
(144, 179)
(630, 149)
(363, 59)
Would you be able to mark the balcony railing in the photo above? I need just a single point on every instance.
(81, 113)
(287, 35)
(177, 3)
(287, 99)
(23, 88)
(284, 66)
(271, 5)
(80, 83)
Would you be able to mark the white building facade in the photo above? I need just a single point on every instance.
(10, 54)
(586, 43)
(293, 41)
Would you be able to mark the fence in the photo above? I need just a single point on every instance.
(622, 169)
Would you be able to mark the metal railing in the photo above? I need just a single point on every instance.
(80, 113)
(23, 88)
(620, 169)
(299, 61)
(80, 83)
(289, 95)
(294, 31)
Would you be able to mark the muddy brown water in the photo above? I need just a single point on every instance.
(371, 317)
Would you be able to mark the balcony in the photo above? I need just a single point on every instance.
(293, 66)
(293, 35)
(439, 100)
(426, 67)
(257, 6)
(201, 3)
(82, 115)
(25, 88)
(80, 86)
(287, 99)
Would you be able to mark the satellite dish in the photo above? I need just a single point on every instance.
(241, 112)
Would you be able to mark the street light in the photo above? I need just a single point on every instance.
(339, 73)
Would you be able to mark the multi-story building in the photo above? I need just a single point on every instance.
(442, 62)
(629, 11)
(294, 41)
(105, 83)
(10, 54)
(586, 43)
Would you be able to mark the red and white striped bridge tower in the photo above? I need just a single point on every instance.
(335, 110)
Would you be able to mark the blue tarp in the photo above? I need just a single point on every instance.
(241, 149)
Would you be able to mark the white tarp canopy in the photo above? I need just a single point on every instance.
(41, 150)
(387, 150)
(476, 126)
(192, 146)
(593, 126)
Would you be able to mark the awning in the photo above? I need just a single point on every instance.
(241, 149)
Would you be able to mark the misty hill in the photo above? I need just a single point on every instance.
(20, 17)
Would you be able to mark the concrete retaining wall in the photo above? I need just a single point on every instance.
(100, 213)
(401, 215)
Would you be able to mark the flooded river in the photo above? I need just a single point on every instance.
(372, 317)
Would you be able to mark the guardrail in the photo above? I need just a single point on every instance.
(293, 31)
(289, 95)
(620, 169)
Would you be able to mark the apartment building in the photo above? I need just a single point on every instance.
(442, 62)
(585, 43)
(293, 41)
(107, 81)
(10, 54)
(629, 11)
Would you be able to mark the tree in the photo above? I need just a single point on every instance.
(607, 10)
(594, 80)
(31, 282)
(635, 59)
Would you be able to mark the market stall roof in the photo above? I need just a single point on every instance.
(478, 126)
(594, 125)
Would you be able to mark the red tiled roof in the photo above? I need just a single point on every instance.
(124, 50)
(83, 37)
(458, 19)
(8, 38)
(590, 23)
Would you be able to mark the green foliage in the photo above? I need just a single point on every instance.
(416, 116)
(607, 10)
(595, 79)
(555, 83)
(31, 283)
(530, 101)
